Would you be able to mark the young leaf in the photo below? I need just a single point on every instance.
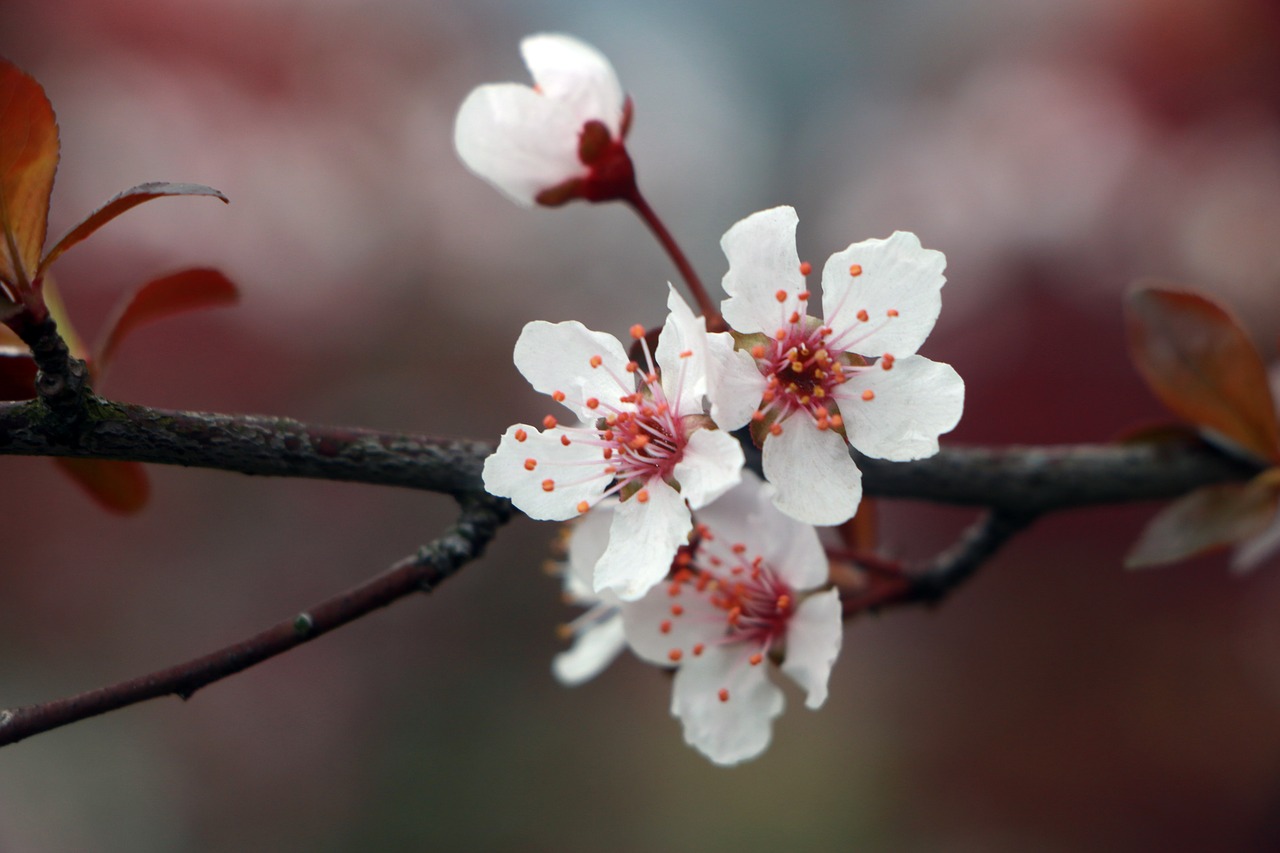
(1203, 366)
(121, 487)
(1208, 518)
(28, 159)
(119, 204)
(189, 290)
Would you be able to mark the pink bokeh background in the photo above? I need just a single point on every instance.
(1055, 153)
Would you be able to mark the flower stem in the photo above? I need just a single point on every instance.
(691, 280)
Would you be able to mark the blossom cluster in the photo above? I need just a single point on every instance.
(680, 552)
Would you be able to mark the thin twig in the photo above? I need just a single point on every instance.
(465, 541)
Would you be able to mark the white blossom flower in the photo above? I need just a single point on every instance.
(644, 437)
(560, 139)
(810, 387)
(739, 595)
(597, 633)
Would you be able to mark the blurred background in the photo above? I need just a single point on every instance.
(1055, 151)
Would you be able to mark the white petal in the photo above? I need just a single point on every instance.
(557, 357)
(588, 538)
(762, 260)
(816, 479)
(684, 379)
(914, 403)
(506, 475)
(1254, 552)
(592, 651)
(575, 74)
(747, 514)
(711, 465)
(897, 275)
(698, 621)
(518, 140)
(813, 642)
(726, 731)
(643, 540)
(735, 386)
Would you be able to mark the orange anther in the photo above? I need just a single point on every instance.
(583, 506)
(734, 615)
(863, 316)
(596, 361)
(784, 601)
(868, 395)
(757, 351)
(564, 439)
(687, 353)
(637, 331)
(781, 296)
(521, 435)
(855, 270)
(739, 548)
(632, 367)
(549, 421)
(677, 610)
(608, 453)
(836, 422)
(775, 429)
(674, 655)
(548, 485)
(665, 626)
(643, 496)
(638, 442)
(593, 403)
(892, 312)
(794, 318)
(803, 296)
(697, 649)
(530, 464)
(757, 416)
(558, 396)
(756, 659)
(724, 695)
(805, 268)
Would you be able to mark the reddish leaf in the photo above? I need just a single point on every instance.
(118, 205)
(121, 487)
(189, 290)
(1208, 518)
(17, 374)
(1202, 365)
(28, 159)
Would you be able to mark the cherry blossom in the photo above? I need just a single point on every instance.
(644, 437)
(811, 387)
(597, 633)
(562, 138)
(739, 595)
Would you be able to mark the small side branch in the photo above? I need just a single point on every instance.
(433, 564)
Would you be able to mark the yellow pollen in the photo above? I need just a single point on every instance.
(868, 395)
(781, 296)
(521, 435)
(549, 421)
(863, 316)
(819, 374)
(643, 496)
(530, 464)
(855, 270)
(756, 659)
(724, 695)
(558, 396)
(819, 392)
(805, 269)
(596, 361)
(548, 485)
(637, 331)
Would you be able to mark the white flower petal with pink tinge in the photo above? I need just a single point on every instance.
(505, 473)
(898, 277)
(695, 621)
(734, 729)
(524, 141)
(914, 403)
(711, 465)
(816, 479)
(643, 541)
(762, 260)
(593, 650)
(813, 642)
(557, 357)
(735, 385)
(682, 355)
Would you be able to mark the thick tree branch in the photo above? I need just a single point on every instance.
(433, 564)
